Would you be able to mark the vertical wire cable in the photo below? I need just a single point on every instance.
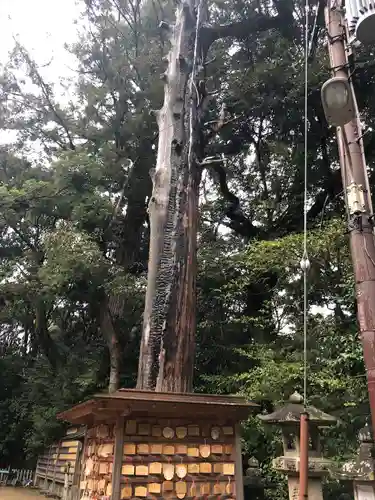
(305, 255)
(305, 265)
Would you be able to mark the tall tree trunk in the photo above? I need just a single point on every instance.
(166, 357)
(168, 337)
(107, 326)
(132, 229)
(42, 334)
(127, 255)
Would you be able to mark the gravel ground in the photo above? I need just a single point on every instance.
(19, 494)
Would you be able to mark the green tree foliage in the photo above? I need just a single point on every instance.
(74, 189)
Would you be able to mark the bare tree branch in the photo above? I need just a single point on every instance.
(46, 93)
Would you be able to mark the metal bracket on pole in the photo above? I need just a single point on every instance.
(356, 199)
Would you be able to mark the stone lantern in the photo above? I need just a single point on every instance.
(361, 470)
(254, 483)
(288, 418)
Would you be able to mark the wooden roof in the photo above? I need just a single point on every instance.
(148, 403)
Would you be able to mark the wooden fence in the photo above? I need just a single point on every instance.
(61, 462)
(16, 474)
(52, 464)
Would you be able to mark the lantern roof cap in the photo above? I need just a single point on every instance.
(253, 462)
(362, 466)
(365, 434)
(291, 413)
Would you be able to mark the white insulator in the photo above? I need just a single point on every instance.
(305, 264)
(360, 15)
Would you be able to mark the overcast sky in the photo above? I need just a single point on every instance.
(42, 26)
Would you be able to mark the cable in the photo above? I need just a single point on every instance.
(305, 264)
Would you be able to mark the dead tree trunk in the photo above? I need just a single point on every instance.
(168, 338)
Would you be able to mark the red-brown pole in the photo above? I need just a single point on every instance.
(354, 174)
(304, 457)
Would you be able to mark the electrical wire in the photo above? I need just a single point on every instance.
(305, 260)
(305, 265)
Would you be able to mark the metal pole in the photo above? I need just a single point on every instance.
(304, 457)
(355, 182)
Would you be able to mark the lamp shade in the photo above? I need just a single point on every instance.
(336, 95)
(337, 101)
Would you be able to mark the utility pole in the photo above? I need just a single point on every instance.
(338, 96)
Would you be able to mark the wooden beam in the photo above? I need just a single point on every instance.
(117, 461)
(239, 472)
(79, 412)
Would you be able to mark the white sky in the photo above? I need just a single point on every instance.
(42, 26)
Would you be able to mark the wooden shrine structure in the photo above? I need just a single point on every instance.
(143, 444)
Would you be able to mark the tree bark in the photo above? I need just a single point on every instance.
(127, 255)
(107, 326)
(168, 337)
(166, 357)
(131, 227)
(47, 345)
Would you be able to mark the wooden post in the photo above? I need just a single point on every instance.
(80, 467)
(35, 474)
(117, 461)
(50, 453)
(239, 471)
(66, 481)
(55, 460)
(77, 472)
